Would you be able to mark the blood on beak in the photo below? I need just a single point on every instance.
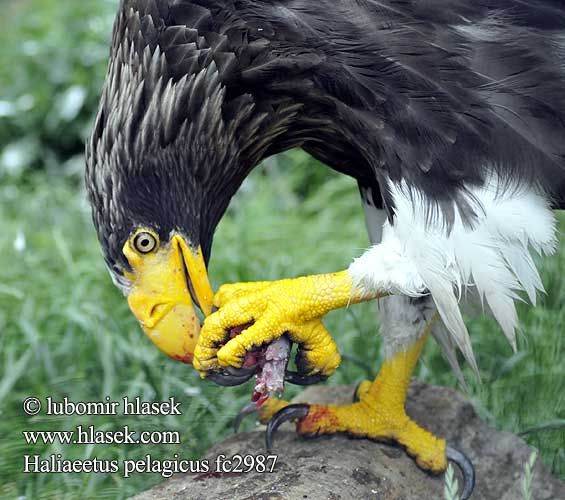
(166, 285)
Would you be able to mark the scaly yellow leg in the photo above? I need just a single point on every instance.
(379, 414)
(292, 306)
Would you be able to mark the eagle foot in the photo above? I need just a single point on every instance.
(430, 453)
(263, 312)
(364, 419)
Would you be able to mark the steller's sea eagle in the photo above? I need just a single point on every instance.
(450, 114)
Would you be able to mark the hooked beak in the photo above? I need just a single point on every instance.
(165, 286)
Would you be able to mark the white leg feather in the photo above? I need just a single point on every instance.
(418, 255)
(402, 319)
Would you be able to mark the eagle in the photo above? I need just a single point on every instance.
(449, 114)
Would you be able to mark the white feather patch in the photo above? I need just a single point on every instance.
(492, 257)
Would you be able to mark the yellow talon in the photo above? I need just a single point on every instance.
(293, 306)
(380, 412)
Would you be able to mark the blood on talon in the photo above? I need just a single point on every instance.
(259, 398)
(251, 359)
(270, 362)
(322, 416)
(236, 330)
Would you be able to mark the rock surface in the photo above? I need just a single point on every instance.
(336, 467)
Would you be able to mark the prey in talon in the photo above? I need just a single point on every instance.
(448, 117)
(271, 370)
(268, 364)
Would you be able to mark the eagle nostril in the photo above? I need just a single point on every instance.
(158, 312)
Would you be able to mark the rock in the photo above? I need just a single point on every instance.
(336, 467)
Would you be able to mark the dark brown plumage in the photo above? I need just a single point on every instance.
(438, 93)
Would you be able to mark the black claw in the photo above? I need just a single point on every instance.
(298, 379)
(242, 371)
(248, 409)
(467, 469)
(230, 376)
(286, 414)
(355, 395)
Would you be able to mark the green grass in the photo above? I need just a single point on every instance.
(66, 331)
(53, 58)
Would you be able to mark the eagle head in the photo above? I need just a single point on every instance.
(164, 159)
(177, 131)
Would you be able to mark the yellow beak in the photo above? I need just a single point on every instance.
(163, 286)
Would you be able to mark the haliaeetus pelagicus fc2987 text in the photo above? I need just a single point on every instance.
(450, 114)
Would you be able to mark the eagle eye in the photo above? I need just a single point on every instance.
(145, 242)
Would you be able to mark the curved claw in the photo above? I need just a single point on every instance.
(298, 379)
(230, 376)
(286, 414)
(466, 467)
(355, 397)
(247, 409)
